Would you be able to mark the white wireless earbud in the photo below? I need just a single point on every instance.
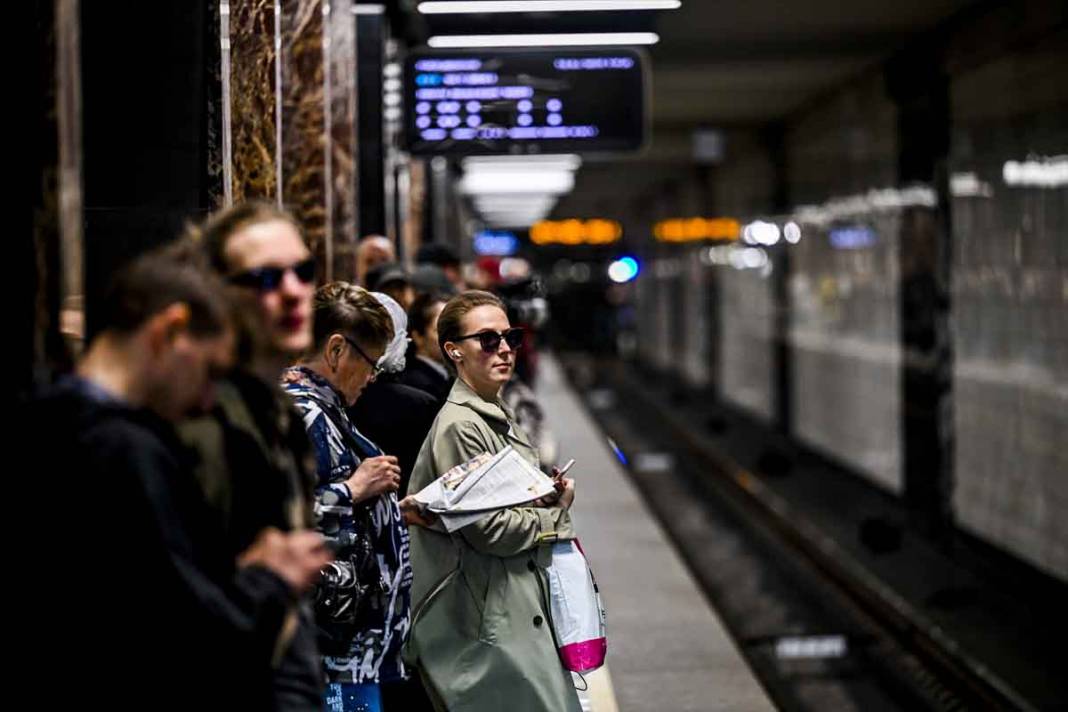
(457, 354)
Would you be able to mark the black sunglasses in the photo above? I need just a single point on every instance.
(375, 368)
(268, 279)
(490, 341)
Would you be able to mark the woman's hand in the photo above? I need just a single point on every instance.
(415, 514)
(567, 497)
(374, 476)
(564, 487)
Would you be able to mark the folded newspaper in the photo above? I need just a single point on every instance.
(485, 483)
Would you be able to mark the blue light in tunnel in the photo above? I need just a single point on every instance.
(498, 243)
(853, 237)
(619, 453)
(623, 270)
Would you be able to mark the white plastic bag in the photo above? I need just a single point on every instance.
(576, 607)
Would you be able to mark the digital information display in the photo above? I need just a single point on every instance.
(524, 101)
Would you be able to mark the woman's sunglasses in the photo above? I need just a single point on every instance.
(490, 341)
(268, 279)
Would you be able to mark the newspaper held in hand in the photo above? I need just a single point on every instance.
(483, 484)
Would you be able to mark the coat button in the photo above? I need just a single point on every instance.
(538, 620)
(531, 565)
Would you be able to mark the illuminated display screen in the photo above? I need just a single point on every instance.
(576, 232)
(693, 229)
(524, 101)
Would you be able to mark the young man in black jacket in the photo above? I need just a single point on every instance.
(164, 618)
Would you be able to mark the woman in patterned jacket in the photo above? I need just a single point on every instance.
(356, 502)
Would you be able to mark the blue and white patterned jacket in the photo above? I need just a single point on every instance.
(375, 653)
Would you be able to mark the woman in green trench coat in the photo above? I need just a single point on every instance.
(481, 634)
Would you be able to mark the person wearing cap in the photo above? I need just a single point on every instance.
(428, 278)
(445, 257)
(391, 278)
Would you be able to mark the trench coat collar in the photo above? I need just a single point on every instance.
(497, 410)
(463, 394)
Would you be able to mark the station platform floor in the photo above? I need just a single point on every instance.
(667, 648)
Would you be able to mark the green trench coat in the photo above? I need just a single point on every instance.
(481, 633)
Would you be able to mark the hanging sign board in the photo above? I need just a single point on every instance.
(555, 100)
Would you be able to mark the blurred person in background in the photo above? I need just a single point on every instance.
(372, 251)
(481, 634)
(161, 598)
(424, 366)
(521, 292)
(442, 256)
(391, 278)
(427, 278)
(394, 415)
(364, 600)
(484, 273)
(255, 461)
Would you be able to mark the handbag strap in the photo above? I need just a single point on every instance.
(359, 444)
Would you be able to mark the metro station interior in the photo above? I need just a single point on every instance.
(796, 275)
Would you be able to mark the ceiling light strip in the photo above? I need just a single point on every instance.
(578, 39)
(502, 6)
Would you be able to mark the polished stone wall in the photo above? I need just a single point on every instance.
(340, 46)
(303, 102)
(253, 104)
(292, 107)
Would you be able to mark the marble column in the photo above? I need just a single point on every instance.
(292, 113)
(250, 78)
(339, 44)
(303, 122)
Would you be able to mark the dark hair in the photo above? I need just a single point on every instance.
(419, 312)
(344, 308)
(176, 273)
(221, 226)
(437, 253)
(449, 326)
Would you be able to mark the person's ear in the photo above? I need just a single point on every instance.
(453, 351)
(334, 346)
(167, 325)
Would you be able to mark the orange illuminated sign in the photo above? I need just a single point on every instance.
(576, 232)
(694, 229)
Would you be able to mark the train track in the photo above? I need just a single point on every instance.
(820, 631)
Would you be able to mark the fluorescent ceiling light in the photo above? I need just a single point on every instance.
(515, 210)
(533, 215)
(1046, 172)
(517, 182)
(536, 211)
(464, 8)
(539, 212)
(548, 40)
(553, 162)
(521, 206)
(512, 200)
